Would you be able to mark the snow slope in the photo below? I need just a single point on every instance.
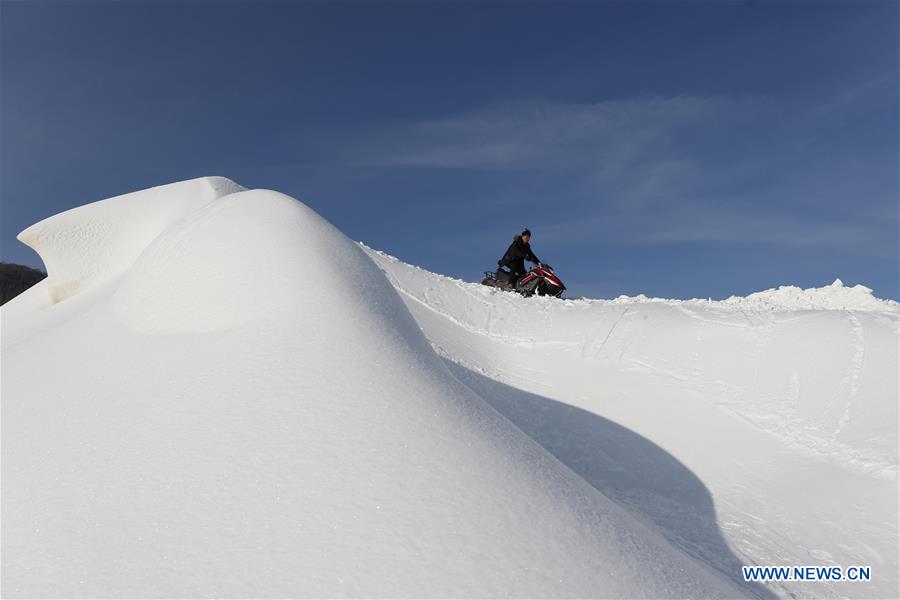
(216, 393)
(773, 418)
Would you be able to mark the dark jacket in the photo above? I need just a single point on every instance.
(516, 255)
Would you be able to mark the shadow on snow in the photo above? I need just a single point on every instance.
(626, 467)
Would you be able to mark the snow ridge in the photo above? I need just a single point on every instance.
(248, 409)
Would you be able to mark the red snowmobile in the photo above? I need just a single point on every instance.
(540, 280)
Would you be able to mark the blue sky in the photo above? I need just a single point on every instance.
(696, 149)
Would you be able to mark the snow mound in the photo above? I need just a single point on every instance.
(85, 246)
(830, 297)
(251, 411)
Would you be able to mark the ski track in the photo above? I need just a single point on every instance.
(853, 376)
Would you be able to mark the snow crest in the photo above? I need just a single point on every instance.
(88, 245)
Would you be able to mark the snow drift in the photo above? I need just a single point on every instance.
(219, 394)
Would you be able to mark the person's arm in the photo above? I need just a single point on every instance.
(530, 255)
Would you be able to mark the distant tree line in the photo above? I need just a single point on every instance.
(15, 279)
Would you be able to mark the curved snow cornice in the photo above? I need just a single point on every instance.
(90, 244)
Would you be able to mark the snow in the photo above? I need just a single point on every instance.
(834, 296)
(217, 393)
(84, 246)
(789, 297)
(250, 410)
(749, 431)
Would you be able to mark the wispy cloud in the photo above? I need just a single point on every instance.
(552, 136)
(858, 92)
(663, 170)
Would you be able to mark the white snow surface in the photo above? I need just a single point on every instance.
(215, 393)
(790, 297)
(84, 246)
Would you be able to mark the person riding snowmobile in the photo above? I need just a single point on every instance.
(516, 255)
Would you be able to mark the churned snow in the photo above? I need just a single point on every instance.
(789, 297)
(216, 393)
(834, 296)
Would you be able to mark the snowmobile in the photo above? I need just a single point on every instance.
(540, 280)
